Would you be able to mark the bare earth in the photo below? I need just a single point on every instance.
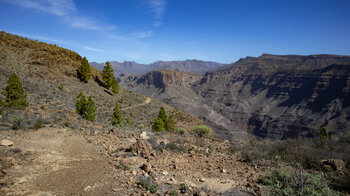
(63, 163)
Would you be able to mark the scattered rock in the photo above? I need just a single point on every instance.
(202, 180)
(336, 164)
(165, 173)
(142, 148)
(144, 135)
(6, 142)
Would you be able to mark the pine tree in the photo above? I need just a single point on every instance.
(109, 78)
(158, 125)
(86, 108)
(108, 75)
(85, 70)
(115, 86)
(162, 114)
(170, 125)
(15, 97)
(117, 118)
(2, 106)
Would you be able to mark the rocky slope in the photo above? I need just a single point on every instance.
(127, 67)
(263, 95)
(49, 77)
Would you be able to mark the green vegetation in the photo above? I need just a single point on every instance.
(61, 87)
(15, 97)
(181, 131)
(123, 167)
(149, 184)
(117, 118)
(289, 182)
(86, 107)
(121, 100)
(202, 131)
(324, 135)
(109, 79)
(84, 71)
(163, 123)
(2, 106)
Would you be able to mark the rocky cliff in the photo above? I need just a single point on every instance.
(263, 95)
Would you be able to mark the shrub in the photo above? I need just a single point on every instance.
(86, 108)
(61, 87)
(181, 131)
(117, 118)
(38, 125)
(149, 184)
(123, 167)
(84, 72)
(289, 182)
(202, 131)
(15, 97)
(2, 106)
(18, 122)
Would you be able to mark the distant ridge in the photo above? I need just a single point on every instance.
(130, 67)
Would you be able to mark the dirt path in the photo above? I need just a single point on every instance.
(147, 101)
(63, 163)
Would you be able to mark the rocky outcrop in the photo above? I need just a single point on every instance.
(261, 96)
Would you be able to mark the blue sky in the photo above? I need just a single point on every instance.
(215, 30)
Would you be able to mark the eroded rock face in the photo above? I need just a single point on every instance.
(261, 96)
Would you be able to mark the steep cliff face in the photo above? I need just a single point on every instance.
(262, 95)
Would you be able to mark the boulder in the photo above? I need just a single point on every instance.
(144, 135)
(142, 148)
(6, 142)
(336, 164)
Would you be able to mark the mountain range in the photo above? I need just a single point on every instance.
(130, 67)
(259, 95)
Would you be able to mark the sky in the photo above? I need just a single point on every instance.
(145, 31)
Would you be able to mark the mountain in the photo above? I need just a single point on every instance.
(261, 96)
(127, 67)
(49, 77)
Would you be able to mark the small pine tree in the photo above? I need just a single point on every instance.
(162, 114)
(2, 106)
(108, 75)
(91, 110)
(109, 78)
(15, 97)
(86, 108)
(115, 86)
(121, 100)
(170, 125)
(85, 70)
(129, 121)
(158, 125)
(117, 118)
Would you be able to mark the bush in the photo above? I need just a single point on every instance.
(202, 131)
(38, 125)
(181, 131)
(289, 182)
(15, 97)
(123, 167)
(18, 122)
(86, 108)
(149, 184)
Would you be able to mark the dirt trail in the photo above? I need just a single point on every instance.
(63, 163)
(147, 101)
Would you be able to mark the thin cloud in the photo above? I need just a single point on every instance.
(66, 10)
(158, 9)
(143, 34)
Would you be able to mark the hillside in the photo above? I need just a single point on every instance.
(263, 95)
(193, 66)
(49, 76)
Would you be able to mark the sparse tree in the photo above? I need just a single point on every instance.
(117, 118)
(15, 97)
(86, 107)
(84, 70)
(162, 114)
(115, 86)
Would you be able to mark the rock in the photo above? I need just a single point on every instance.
(146, 167)
(165, 173)
(6, 142)
(223, 171)
(336, 164)
(202, 180)
(142, 148)
(134, 173)
(144, 135)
